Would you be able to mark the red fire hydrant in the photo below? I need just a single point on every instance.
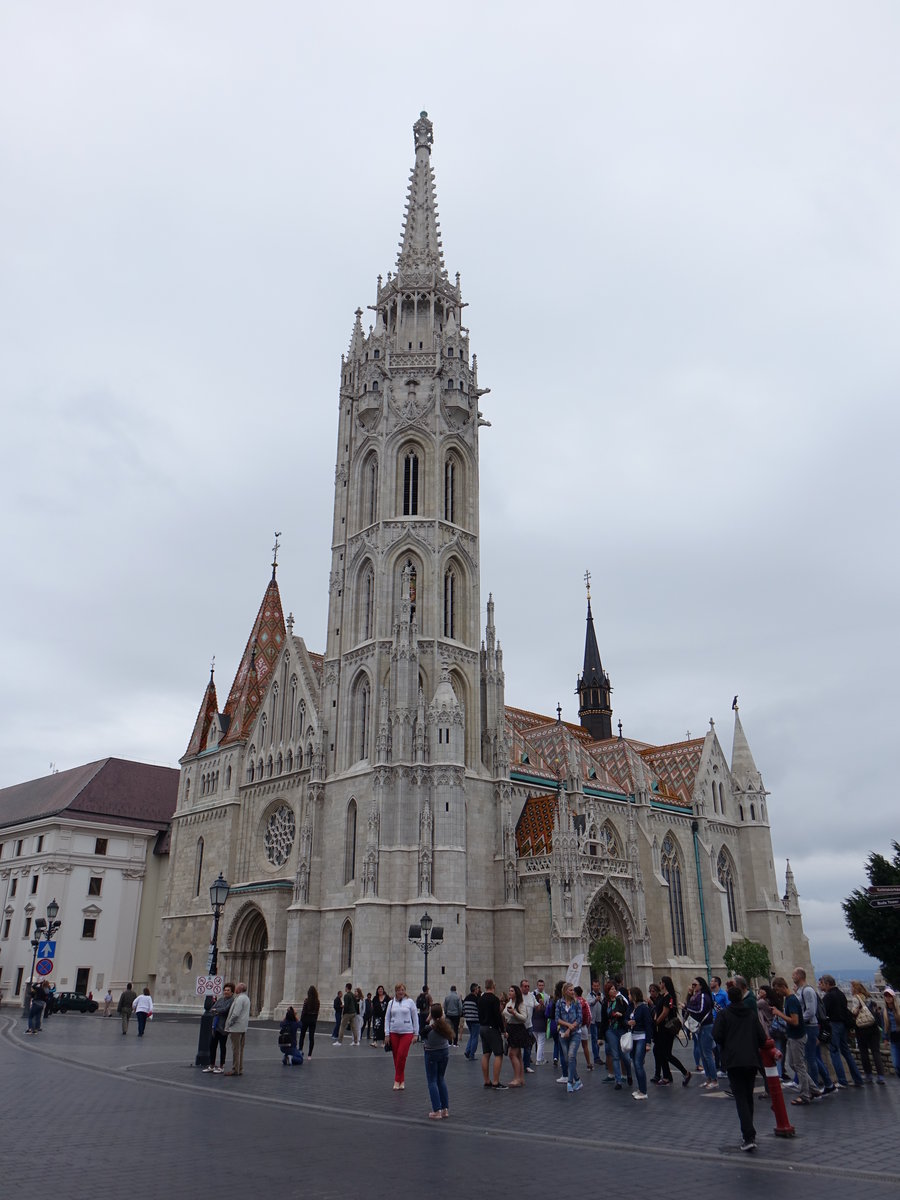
(783, 1127)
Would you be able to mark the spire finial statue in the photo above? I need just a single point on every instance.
(423, 132)
(212, 668)
(275, 550)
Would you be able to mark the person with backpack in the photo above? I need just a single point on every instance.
(287, 1040)
(809, 999)
(838, 1015)
(453, 1011)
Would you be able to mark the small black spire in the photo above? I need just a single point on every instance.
(593, 688)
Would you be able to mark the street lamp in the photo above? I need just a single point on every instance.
(418, 935)
(43, 932)
(218, 894)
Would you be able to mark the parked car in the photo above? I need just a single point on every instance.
(77, 1001)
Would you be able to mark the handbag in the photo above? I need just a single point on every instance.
(691, 1024)
(673, 1024)
(626, 1041)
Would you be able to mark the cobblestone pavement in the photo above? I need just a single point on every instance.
(90, 1114)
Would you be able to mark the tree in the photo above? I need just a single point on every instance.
(607, 957)
(877, 930)
(750, 959)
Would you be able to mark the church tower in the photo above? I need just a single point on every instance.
(593, 688)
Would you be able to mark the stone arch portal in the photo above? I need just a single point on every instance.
(608, 915)
(249, 940)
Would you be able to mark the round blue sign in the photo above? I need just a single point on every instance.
(44, 966)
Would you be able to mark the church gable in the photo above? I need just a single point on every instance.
(267, 637)
(286, 721)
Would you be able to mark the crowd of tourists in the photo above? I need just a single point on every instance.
(713, 1033)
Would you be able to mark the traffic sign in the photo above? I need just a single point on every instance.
(210, 985)
(884, 902)
(44, 966)
(46, 949)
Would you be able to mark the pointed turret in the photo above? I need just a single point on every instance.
(209, 710)
(791, 898)
(593, 688)
(263, 647)
(420, 246)
(743, 768)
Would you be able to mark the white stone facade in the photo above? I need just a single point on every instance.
(343, 795)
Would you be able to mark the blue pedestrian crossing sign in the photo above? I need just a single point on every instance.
(46, 949)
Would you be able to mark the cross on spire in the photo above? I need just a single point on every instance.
(587, 583)
(275, 550)
(212, 668)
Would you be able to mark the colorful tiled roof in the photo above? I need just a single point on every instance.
(534, 830)
(674, 769)
(209, 710)
(259, 658)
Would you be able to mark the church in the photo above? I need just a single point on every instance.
(346, 793)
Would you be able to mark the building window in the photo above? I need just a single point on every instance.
(188, 961)
(347, 947)
(350, 843)
(39, 844)
(368, 601)
(198, 867)
(27, 932)
(34, 885)
(13, 886)
(100, 845)
(89, 927)
(410, 484)
(449, 490)
(95, 885)
(278, 839)
(228, 777)
(6, 925)
(671, 872)
(19, 845)
(450, 604)
(722, 799)
(725, 874)
(362, 720)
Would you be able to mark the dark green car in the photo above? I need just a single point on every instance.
(76, 1001)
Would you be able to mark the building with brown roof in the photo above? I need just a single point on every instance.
(94, 839)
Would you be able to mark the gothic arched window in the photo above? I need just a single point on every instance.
(450, 601)
(722, 799)
(350, 843)
(410, 484)
(363, 713)
(228, 777)
(346, 946)
(449, 490)
(715, 797)
(367, 605)
(670, 867)
(370, 490)
(725, 874)
(198, 870)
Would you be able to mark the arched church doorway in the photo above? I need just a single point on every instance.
(247, 961)
(604, 919)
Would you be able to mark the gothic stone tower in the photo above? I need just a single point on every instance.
(404, 706)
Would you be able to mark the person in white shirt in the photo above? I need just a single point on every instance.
(142, 1008)
(401, 1027)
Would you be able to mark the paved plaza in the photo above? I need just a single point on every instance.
(92, 1114)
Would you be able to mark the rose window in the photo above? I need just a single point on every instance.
(279, 836)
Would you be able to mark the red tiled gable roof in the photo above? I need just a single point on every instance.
(112, 790)
(674, 768)
(209, 710)
(259, 658)
(534, 829)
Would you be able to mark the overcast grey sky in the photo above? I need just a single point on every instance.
(678, 231)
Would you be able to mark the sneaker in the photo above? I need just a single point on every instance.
(749, 1145)
(335, 1042)
(208, 1070)
(687, 1079)
(880, 1079)
(830, 1090)
(218, 1070)
(609, 1079)
(563, 1079)
(529, 1070)
(723, 1075)
(789, 1083)
(569, 1087)
(578, 1086)
(841, 1087)
(617, 1088)
(639, 1095)
(501, 1087)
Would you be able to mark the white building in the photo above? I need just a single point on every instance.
(94, 839)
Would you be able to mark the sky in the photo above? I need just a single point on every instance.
(679, 239)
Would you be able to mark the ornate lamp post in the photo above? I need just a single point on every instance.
(419, 936)
(43, 932)
(218, 894)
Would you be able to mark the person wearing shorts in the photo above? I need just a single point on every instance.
(490, 1019)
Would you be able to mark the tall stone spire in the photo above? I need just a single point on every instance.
(420, 245)
(743, 768)
(593, 688)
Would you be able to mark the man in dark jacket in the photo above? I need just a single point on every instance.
(839, 1016)
(740, 1036)
(123, 1008)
